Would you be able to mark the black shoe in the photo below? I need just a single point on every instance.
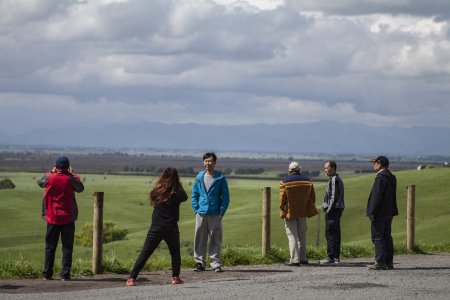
(377, 267)
(199, 267)
(289, 264)
(390, 266)
(48, 278)
(66, 278)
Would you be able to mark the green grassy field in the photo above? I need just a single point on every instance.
(22, 230)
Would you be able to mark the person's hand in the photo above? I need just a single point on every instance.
(371, 218)
(53, 170)
(70, 169)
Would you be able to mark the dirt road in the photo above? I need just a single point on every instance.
(415, 276)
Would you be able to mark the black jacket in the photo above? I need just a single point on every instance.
(383, 199)
(334, 194)
(166, 215)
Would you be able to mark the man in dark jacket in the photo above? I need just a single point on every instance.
(333, 206)
(381, 208)
(60, 211)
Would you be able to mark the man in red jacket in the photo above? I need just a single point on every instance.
(60, 211)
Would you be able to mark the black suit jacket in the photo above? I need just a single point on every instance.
(383, 197)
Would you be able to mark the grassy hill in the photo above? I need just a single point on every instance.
(22, 230)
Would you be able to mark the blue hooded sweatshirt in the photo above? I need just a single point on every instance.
(212, 202)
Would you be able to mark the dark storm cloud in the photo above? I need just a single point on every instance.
(210, 62)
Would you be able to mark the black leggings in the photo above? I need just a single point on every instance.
(154, 237)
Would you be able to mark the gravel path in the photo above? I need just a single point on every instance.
(415, 276)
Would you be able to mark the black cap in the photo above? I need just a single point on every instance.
(382, 160)
(62, 162)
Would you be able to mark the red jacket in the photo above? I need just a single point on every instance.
(59, 196)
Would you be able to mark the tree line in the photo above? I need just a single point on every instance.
(225, 171)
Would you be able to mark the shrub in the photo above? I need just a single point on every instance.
(186, 170)
(6, 183)
(314, 173)
(110, 234)
(234, 256)
(363, 171)
(356, 251)
(111, 263)
(247, 171)
(22, 268)
(226, 171)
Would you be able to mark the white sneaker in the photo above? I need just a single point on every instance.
(327, 261)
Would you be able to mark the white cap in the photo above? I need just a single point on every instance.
(294, 166)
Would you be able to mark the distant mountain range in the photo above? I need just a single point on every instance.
(319, 137)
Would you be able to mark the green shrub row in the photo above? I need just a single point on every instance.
(110, 234)
(231, 256)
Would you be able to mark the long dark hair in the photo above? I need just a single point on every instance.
(167, 185)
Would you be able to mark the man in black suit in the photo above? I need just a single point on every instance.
(381, 208)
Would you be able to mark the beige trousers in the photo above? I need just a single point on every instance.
(296, 234)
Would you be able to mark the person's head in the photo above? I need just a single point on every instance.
(209, 161)
(62, 163)
(381, 162)
(330, 168)
(294, 167)
(167, 185)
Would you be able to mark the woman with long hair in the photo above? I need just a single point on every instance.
(166, 198)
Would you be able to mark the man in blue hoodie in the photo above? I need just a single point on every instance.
(210, 199)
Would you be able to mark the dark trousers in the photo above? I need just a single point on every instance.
(333, 233)
(67, 233)
(382, 239)
(154, 237)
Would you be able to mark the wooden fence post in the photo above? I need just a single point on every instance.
(318, 230)
(410, 217)
(97, 234)
(266, 221)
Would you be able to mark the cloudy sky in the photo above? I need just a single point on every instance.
(94, 63)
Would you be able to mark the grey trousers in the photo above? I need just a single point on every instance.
(296, 234)
(208, 226)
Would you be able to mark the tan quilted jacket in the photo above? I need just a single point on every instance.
(297, 200)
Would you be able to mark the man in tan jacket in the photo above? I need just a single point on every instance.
(297, 203)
